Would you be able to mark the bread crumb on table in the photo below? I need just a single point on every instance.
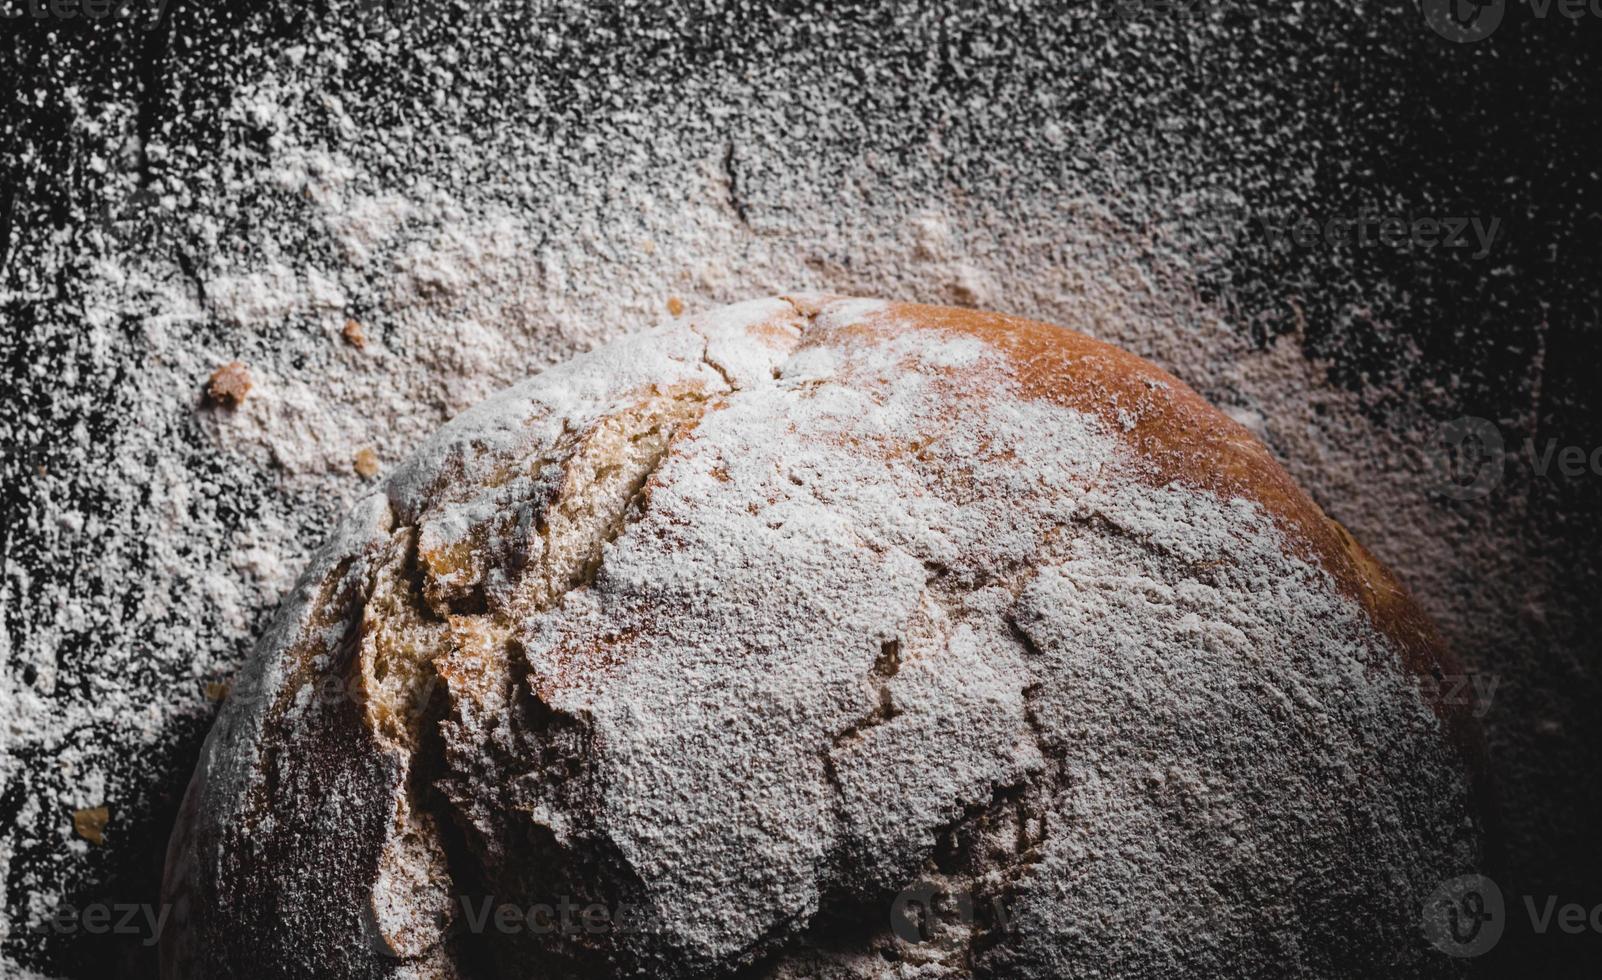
(366, 463)
(229, 385)
(354, 335)
(90, 824)
(675, 305)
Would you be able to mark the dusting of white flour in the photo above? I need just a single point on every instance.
(480, 213)
(878, 614)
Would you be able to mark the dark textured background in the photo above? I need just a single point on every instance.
(1325, 110)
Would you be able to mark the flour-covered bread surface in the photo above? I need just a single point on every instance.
(817, 637)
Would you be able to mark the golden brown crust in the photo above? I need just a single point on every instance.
(1184, 439)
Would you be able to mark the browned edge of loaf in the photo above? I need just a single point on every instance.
(1185, 440)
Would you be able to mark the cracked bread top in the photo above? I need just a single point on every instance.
(741, 628)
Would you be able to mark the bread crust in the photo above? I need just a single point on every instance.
(1186, 440)
(251, 840)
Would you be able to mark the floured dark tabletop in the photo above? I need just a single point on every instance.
(1346, 230)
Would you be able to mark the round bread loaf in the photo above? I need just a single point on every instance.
(830, 638)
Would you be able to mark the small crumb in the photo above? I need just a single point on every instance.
(229, 385)
(648, 247)
(675, 305)
(217, 690)
(366, 463)
(90, 824)
(354, 335)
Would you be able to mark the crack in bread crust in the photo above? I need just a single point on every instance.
(756, 622)
(457, 643)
